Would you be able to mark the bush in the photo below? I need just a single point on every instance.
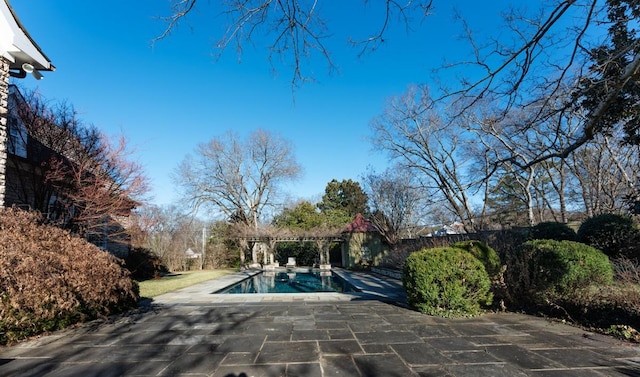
(613, 309)
(223, 254)
(550, 269)
(446, 282)
(625, 295)
(614, 235)
(483, 253)
(305, 253)
(144, 264)
(50, 279)
(553, 231)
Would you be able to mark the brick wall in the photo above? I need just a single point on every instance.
(4, 95)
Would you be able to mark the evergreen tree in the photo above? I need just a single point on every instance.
(345, 196)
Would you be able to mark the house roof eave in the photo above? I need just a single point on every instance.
(16, 44)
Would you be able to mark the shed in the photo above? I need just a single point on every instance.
(363, 246)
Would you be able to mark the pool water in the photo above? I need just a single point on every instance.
(291, 282)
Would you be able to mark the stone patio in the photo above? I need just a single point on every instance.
(192, 332)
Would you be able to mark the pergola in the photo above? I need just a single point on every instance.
(267, 245)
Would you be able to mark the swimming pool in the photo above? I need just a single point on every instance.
(291, 281)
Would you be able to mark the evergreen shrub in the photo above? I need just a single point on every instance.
(552, 230)
(614, 235)
(484, 253)
(548, 269)
(50, 279)
(446, 282)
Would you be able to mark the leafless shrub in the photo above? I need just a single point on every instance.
(627, 289)
(627, 271)
(50, 278)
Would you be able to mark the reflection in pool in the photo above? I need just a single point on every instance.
(291, 281)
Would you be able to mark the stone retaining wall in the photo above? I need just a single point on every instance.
(4, 109)
(395, 274)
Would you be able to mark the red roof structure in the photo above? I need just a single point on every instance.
(359, 225)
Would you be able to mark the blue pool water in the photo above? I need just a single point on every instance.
(291, 282)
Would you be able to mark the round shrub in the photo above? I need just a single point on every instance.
(446, 282)
(552, 230)
(484, 253)
(615, 235)
(50, 279)
(549, 268)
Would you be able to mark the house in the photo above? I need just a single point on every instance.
(22, 181)
(192, 254)
(23, 164)
(447, 230)
(19, 55)
(48, 169)
(363, 245)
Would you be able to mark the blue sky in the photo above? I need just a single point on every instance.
(170, 96)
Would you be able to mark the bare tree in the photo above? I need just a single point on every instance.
(80, 178)
(548, 62)
(592, 46)
(239, 178)
(554, 178)
(513, 149)
(552, 190)
(168, 232)
(600, 175)
(605, 174)
(394, 199)
(95, 190)
(157, 229)
(557, 52)
(419, 135)
(297, 29)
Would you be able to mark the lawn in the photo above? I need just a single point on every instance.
(155, 287)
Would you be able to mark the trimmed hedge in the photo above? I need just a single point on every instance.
(615, 235)
(484, 253)
(552, 230)
(546, 269)
(446, 282)
(50, 279)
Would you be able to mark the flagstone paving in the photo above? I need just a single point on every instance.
(193, 332)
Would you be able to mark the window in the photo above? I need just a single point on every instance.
(17, 137)
(366, 253)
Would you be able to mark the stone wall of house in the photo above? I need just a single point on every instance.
(118, 238)
(4, 109)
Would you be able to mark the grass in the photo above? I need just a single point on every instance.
(169, 283)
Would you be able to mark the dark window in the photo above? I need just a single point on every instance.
(17, 137)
